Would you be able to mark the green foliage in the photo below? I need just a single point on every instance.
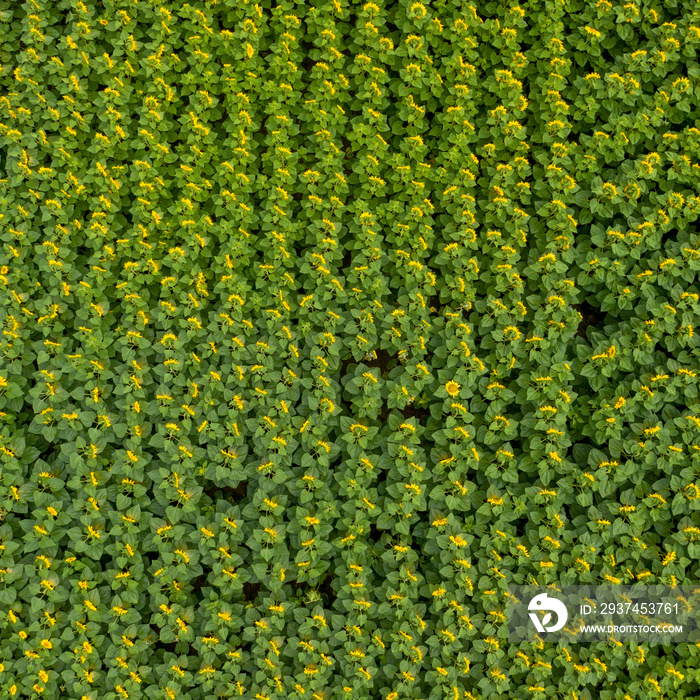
(324, 323)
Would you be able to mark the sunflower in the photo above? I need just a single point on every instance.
(452, 388)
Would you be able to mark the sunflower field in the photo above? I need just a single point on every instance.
(325, 322)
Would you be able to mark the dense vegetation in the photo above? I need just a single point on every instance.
(322, 323)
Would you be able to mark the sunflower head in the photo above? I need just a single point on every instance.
(452, 388)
